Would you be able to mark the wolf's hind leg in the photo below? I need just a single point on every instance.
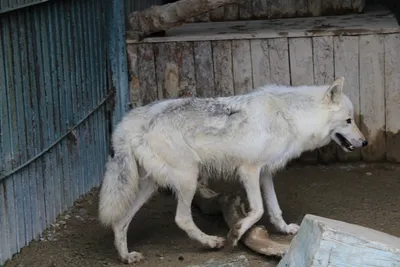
(250, 177)
(274, 211)
(185, 188)
(146, 189)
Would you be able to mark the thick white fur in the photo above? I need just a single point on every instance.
(173, 142)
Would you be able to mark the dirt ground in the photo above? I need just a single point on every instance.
(368, 195)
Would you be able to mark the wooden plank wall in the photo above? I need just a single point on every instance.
(369, 63)
(272, 9)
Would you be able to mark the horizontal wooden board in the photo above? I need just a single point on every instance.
(377, 22)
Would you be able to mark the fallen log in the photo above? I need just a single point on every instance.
(233, 209)
(160, 18)
(325, 242)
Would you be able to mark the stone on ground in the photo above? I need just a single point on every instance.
(324, 242)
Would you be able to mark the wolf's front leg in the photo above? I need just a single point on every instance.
(274, 211)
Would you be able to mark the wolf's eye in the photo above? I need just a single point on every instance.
(348, 121)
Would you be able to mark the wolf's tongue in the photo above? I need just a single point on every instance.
(345, 142)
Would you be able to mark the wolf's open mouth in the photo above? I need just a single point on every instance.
(344, 142)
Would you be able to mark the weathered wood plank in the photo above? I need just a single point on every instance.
(202, 18)
(302, 73)
(372, 96)
(217, 14)
(289, 8)
(187, 80)
(327, 7)
(222, 57)
(161, 57)
(392, 96)
(241, 60)
(358, 5)
(325, 242)
(274, 8)
(260, 62)
(279, 61)
(342, 7)
(190, 20)
(260, 9)
(315, 7)
(246, 10)
(203, 61)
(324, 74)
(301, 8)
(167, 70)
(231, 12)
(134, 86)
(346, 25)
(147, 74)
(347, 66)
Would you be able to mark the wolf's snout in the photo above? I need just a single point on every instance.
(364, 143)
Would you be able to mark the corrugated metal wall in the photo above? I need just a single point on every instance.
(8, 5)
(57, 72)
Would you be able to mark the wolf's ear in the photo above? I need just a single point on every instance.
(334, 93)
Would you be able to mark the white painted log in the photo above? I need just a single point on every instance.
(324, 242)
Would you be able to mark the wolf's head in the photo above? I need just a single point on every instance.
(344, 131)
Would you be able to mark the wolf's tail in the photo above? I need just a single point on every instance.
(120, 185)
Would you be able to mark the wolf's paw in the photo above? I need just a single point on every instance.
(233, 238)
(133, 257)
(291, 229)
(214, 242)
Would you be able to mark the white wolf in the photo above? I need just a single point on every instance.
(172, 143)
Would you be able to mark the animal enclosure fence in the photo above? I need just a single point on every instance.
(227, 58)
(62, 82)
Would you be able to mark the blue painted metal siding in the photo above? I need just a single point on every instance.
(8, 5)
(57, 71)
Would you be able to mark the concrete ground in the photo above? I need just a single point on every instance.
(368, 195)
